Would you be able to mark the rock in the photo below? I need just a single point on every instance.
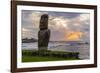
(44, 33)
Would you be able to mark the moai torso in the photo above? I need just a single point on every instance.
(44, 33)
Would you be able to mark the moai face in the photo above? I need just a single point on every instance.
(44, 22)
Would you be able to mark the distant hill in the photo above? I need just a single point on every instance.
(72, 42)
(26, 40)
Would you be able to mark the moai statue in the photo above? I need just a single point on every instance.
(44, 33)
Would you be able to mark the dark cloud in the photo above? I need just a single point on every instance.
(64, 14)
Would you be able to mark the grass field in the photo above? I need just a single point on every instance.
(39, 59)
(36, 56)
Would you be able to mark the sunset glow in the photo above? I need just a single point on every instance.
(74, 36)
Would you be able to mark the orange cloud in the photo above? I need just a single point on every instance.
(74, 36)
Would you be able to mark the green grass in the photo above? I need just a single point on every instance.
(38, 56)
(39, 59)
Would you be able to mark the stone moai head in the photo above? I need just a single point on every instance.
(44, 22)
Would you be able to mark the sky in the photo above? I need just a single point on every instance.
(64, 26)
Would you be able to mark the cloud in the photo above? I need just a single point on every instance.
(60, 24)
(25, 32)
(79, 25)
(84, 17)
(30, 23)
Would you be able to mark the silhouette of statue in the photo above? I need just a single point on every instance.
(44, 33)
